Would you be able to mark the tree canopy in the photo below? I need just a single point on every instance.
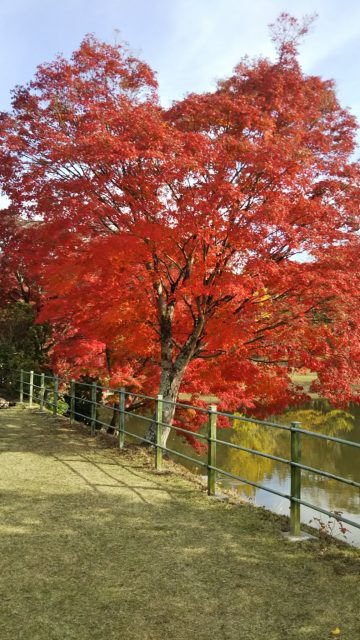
(212, 245)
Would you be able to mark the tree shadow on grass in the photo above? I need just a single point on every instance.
(96, 565)
(95, 550)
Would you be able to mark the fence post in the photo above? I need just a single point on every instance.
(72, 400)
(93, 408)
(158, 432)
(211, 450)
(42, 391)
(295, 489)
(21, 385)
(31, 389)
(56, 395)
(121, 417)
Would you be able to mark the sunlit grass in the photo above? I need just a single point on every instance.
(96, 545)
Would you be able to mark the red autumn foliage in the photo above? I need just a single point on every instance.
(212, 246)
(16, 281)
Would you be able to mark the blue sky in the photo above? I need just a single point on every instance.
(189, 43)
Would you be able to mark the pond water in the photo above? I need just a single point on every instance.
(338, 459)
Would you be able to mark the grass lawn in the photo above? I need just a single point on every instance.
(96, 545)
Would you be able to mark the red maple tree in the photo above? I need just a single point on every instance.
(213, 245)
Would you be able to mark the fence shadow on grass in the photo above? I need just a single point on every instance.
(91, 548)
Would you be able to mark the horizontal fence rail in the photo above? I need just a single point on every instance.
(49, 392)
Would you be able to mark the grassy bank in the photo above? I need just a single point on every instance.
(95, 544)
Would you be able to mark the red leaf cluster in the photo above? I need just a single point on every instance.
(212, 246)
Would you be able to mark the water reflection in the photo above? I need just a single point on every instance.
(335, 458)
(321, 454)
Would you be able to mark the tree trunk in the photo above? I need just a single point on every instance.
(169, 388)
(112, 426)
(172, 370)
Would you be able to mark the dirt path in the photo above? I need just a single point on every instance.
(95, 545)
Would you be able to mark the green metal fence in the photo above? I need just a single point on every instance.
(44, 390)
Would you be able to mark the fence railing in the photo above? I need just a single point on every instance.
(44, 389)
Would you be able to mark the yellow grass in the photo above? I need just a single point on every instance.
(95, 545)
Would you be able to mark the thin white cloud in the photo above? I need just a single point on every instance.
(190, 43)
(4, 202)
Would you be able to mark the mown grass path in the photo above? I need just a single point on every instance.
(96, 545)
